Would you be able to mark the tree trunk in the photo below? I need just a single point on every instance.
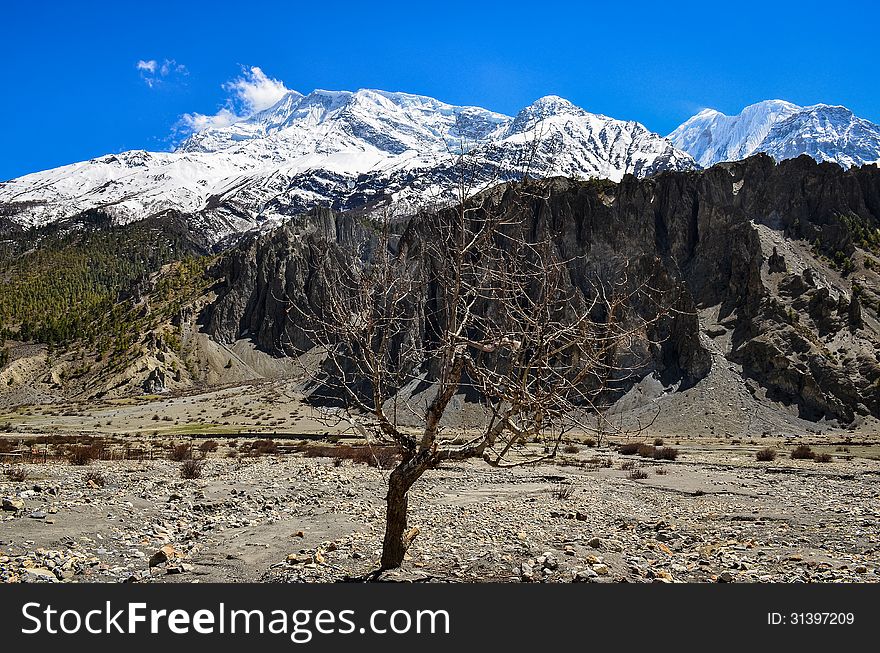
(397, 539)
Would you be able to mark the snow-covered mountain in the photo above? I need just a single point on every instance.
(340, 148)
(826, 133)
(710, 136)
(783, 130)
(556, 137)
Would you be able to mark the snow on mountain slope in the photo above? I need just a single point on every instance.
(710, 136)
(566, 140)
(334, 121)
(550, 137)
(782, 130)
(826, 133)
(339, 148)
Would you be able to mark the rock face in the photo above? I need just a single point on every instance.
(265, 276)
(155, 382)
(802, 324)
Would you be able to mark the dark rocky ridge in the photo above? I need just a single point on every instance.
(702, 236)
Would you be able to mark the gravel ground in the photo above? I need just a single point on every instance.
(292, 519)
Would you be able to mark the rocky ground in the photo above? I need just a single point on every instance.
(714, 514)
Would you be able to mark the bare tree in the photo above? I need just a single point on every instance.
(473, 299)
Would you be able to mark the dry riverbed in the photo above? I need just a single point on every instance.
(709, 516)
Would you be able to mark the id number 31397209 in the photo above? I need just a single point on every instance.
(811, 619)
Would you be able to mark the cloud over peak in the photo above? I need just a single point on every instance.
(197, 122)
(255, 91)
(250, 93)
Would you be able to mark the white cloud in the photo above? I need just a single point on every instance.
(171, 66)
(153, 72)
(253, 91)
(197, 122)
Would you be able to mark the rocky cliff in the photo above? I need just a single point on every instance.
(774, 265)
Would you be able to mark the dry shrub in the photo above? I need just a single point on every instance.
(208, 446)
(802, 452)
(87, 450)
(646, 451)
(383, 457)
(665, 453)
(80, 455)
(180, 452)
(563, 490)
(629, 448)
(823, 458)
(589, 442)
(767, 455)
(637, 474)
(16, 474)
(261, 447)
(571, 449)
(191, 469)
(658, 442)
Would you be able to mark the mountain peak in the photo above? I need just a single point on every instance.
(783, 130)
(827, 133)
(829, 109)
(553, 105)
(542, 109)
(712, 136)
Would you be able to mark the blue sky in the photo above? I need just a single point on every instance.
(73, 89)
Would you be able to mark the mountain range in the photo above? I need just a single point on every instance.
(369, 149)
(784, 131)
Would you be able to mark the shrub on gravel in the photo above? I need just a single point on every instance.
(208, 446)
(802, 452)
(666, 453)
(16, 474)
(766, 455)
(563, 490)
(80, 455)
(383, 457)
(191, 469)
(180, 452)
(262, 447)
